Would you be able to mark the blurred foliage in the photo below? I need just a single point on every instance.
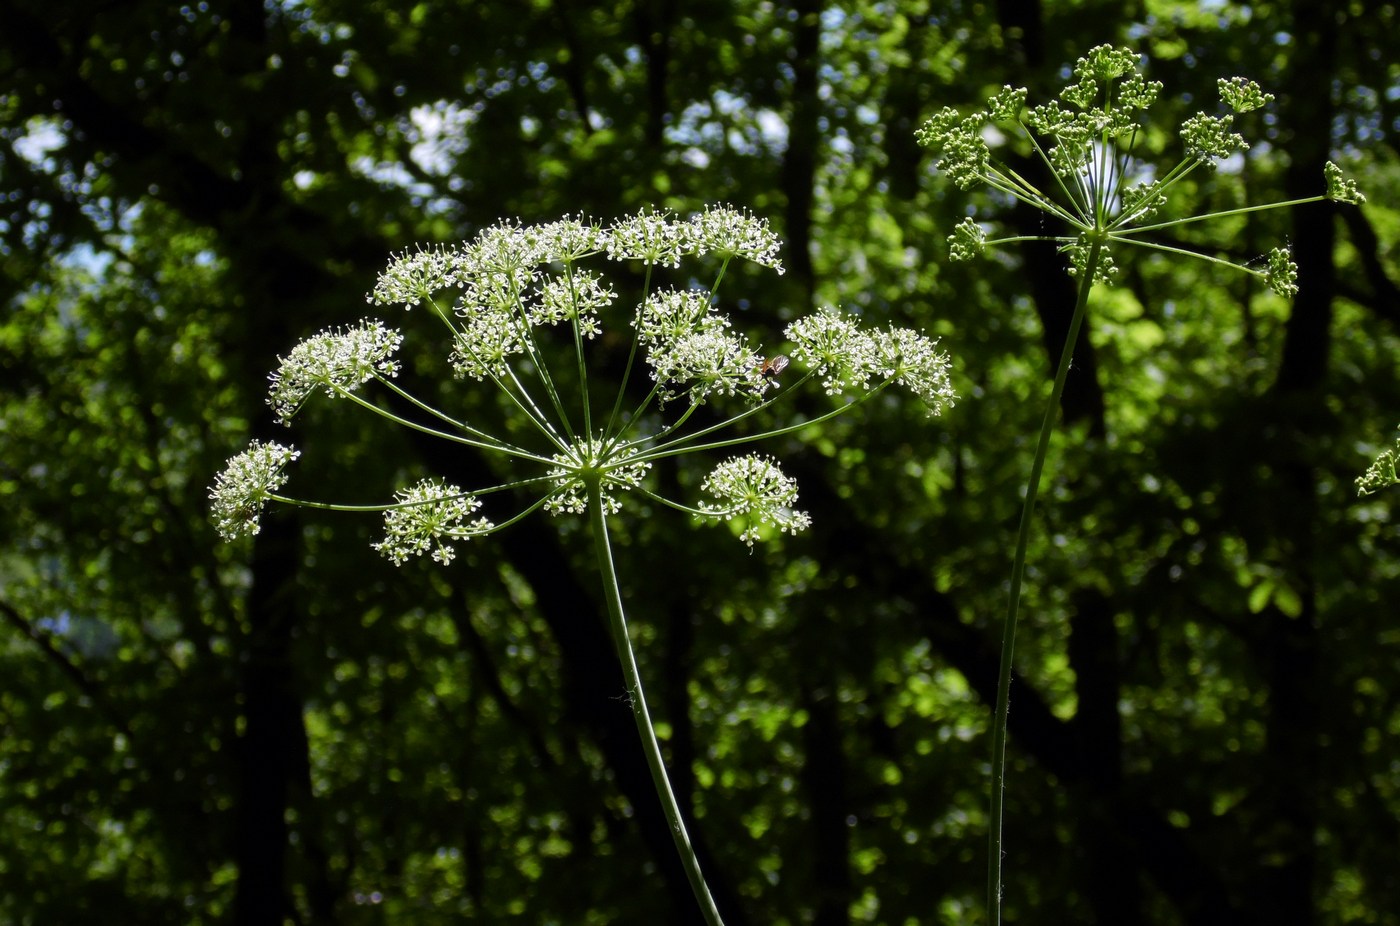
(1205, 720)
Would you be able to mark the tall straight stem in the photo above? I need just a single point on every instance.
(1018, 569)
(617, 624)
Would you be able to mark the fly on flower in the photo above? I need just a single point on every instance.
(773, 366)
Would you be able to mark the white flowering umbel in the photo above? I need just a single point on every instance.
(515, 287)
(522, 307)
(246, 485)
(1106, 201)
(755, 487)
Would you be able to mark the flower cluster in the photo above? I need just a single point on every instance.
(412, 278)
(1339, 188)
(1282, 275)
(836, 349)
(616, 470)
(337, 361)
(575, 298)
(1086, 138)
(1243, 96)
(505, 259)
(508, 288)
(719, 230)
(755, 489)
(727, 233)
(1382, 473)
(425, 517)
(1208, 138)
(967, 241)
(485, 341)
(244, 487)
(907, 357)
(691, 348)
(847, 357)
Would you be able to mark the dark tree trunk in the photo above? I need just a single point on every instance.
(654, 21)
(268, 742)
(824, 778)
(1307, 109)
(799, 168)
(1281, 888)
(1114, 887)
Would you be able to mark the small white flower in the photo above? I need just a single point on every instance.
(728, 232)
(705, 361)
(579, 295)
(338, 361)
(568, 240)
(411, 278)
(913, 360)
(754, 488)
(835, 348)
(425, 517)
(651, 237)
(239, 493)
(486, 341)
(671, 314)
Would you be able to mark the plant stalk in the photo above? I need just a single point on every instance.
(617, 624)
(1018, 569)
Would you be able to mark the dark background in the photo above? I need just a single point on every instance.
(1205, 720)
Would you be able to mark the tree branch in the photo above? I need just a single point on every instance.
(66, 665)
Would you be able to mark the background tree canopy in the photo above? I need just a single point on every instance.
(1205, 718)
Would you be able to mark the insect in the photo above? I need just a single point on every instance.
(773, 366)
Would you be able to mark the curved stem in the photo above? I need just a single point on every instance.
(673, 447)
(1018, 568)
(631, 359)
(441, 416)
(454, 438)
(1139, 229)
(617, 623)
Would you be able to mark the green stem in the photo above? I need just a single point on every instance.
(1018, 569)
(617, 623)
(1243, 210)
(674, 447)
(627, 370)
